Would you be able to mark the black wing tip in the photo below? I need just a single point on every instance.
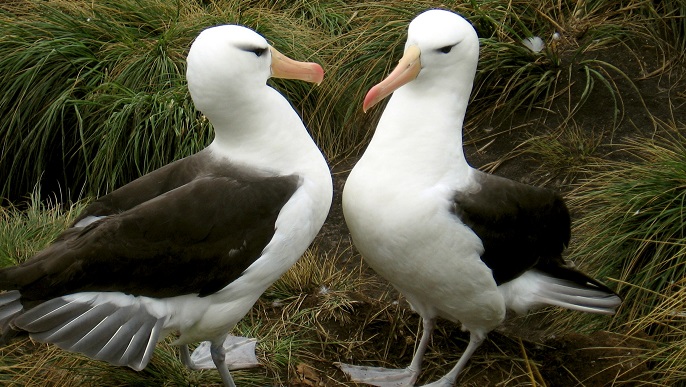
(576, 276)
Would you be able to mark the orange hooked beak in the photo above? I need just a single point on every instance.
(407, 69)
(287, 68)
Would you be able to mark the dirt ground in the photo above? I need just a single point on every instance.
(569, 360)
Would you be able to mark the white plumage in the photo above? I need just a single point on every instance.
(456, 242)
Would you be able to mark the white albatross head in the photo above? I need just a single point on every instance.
(442, 50)
(229, 59)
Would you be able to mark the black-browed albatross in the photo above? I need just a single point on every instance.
(456, 242)
(189, 247)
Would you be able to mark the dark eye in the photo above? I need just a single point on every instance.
(445, 49)
(259, 51)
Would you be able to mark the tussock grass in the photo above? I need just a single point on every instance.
(633, 216)
(26, 229)
(563, 155)
(631, 229)
(94, 92)
(79, 80)
(667, 324)
(34, 364)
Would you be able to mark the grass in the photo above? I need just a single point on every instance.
(632, 231)
(563, 155)
(94, 95)
(634, 216)
(667, 323)
(26, 229)
(84, 82)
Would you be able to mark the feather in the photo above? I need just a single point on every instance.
(115, 328)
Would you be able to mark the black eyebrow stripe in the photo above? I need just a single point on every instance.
(252, 48)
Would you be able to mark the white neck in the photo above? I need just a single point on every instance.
(261, 131)
(420, 132)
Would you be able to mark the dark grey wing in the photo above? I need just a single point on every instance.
(149, 186)
(196, 238)
(521, 226)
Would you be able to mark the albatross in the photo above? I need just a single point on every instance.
(189, 247)
(458, 243)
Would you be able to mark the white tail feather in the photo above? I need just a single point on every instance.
(535, 289)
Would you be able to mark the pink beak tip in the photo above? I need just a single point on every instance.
(318, 73)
